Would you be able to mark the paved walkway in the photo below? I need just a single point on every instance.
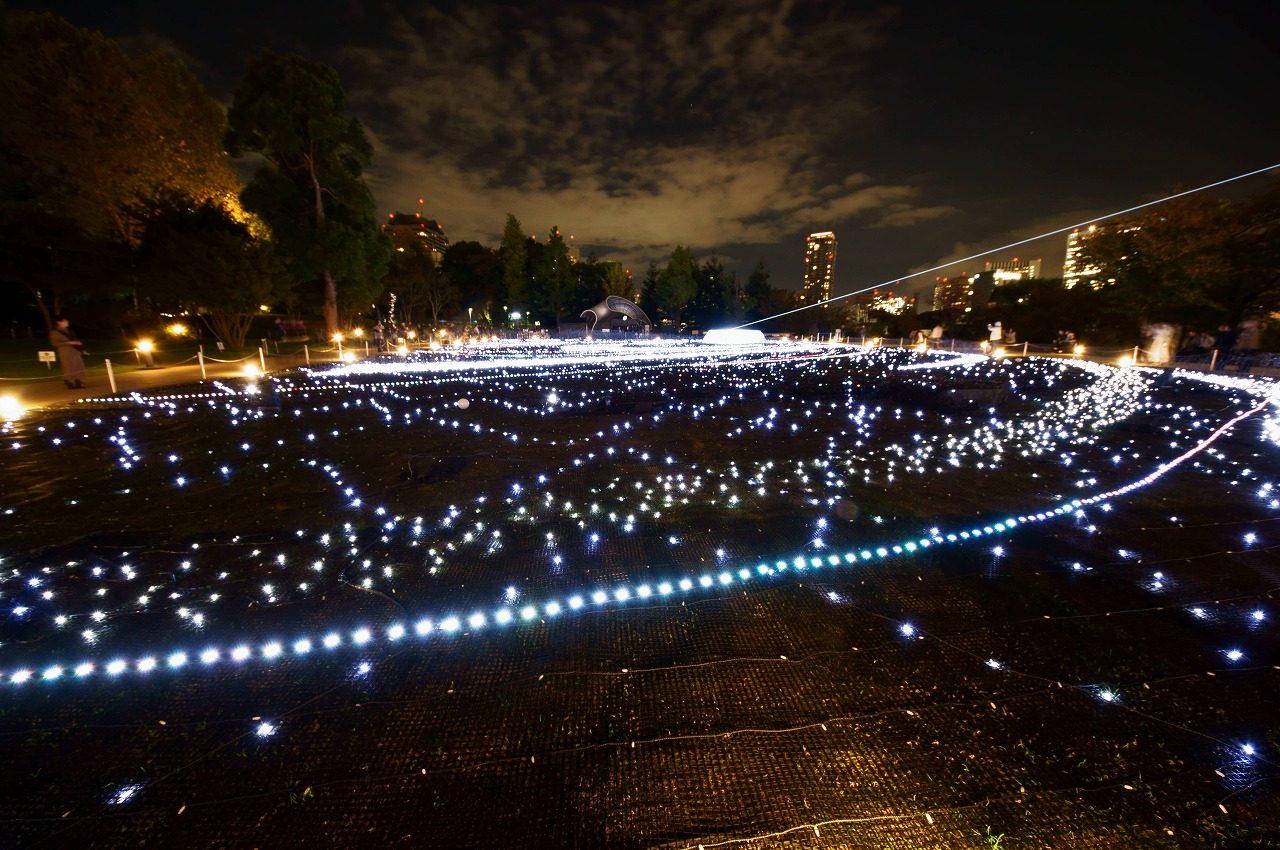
(44, 392)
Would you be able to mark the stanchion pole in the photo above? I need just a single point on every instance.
(306, 354)
(111, 377)
(1135, 355)
(262, 358)
(1024, 349)
(1213, 361)
(200, 356)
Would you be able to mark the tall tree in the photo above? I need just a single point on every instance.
(97, 139)
(476, 271)
(617, 281)
(676, 285)
(758, 293)
(198, 258)
(555, 276)
(420, 286)
(649, 289)
(514, 256)
(310, 189)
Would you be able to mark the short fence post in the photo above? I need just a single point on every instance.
(306, 354)
(1213, 361)
(200, 356)
(262, 358)
(1024, 349)
(1135, 355)
(111, 377)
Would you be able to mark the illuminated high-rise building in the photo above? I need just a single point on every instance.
(1076, 270)
(1014, 269)
(819, 266)
(412, 231)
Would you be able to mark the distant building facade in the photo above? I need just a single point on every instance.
(410, 230)
(1076, 270)
(819, 266)
(962, 293)
(1014, 269)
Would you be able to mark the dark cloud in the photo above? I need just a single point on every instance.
(740, 127)
(637, 128)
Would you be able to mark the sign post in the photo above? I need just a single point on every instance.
(47, 358)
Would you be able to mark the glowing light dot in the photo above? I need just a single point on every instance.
(266, 730)
(907, 629)
(240, 653)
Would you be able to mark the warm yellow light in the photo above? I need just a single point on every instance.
(442, 332)
(144, 345)
(998, 353)
(985, 346)
(251, 370)
(177, 329)
(10, 407)
(1078, 350)
(348, 357)
(402, 350)
(413, 334)
(435, 346)
(359, 331)
(1126, 361)
(266, 308)
(337, 337)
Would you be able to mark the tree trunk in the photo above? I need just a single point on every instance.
(330, 302)
(330, 285)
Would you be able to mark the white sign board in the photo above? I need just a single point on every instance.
(48, 356)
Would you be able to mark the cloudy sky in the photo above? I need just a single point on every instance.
(919, 132)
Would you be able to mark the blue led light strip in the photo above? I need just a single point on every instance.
(452, 624)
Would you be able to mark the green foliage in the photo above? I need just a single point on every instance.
(476, 271)
(649, 290)
(553, 279)
(198, 258)
(617, 281)
(101, 138)
(421, 287)
(514, 257)
(676, 285)
(310, 190)
(1197, 259)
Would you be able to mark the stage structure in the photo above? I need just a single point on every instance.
(615, 311)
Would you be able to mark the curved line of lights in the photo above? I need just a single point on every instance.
(452, 624)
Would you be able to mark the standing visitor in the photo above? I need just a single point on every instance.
(70, 353)
(1223, 342)
(996, 332)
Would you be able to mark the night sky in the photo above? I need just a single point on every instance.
(917, 132)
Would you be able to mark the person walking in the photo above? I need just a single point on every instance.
(70, 353)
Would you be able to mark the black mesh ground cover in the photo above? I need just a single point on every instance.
(785, 710)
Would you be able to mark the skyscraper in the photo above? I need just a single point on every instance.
(819, 266)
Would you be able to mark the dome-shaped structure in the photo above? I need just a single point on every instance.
(615, 310)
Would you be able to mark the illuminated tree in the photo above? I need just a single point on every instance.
(310, 189)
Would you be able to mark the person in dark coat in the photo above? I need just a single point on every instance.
(70, 353)
(1223, 342)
